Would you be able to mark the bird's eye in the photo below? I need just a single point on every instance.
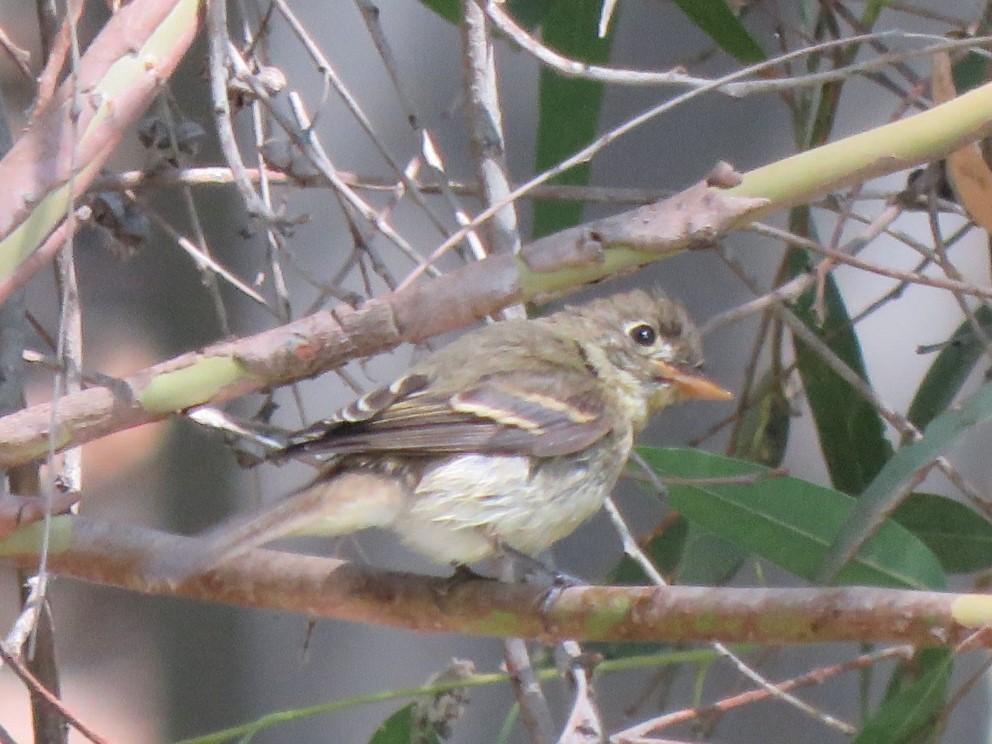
(643, 334)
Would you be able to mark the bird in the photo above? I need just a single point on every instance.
(507, 439)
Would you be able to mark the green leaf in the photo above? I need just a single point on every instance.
(509, 722)
(881, 497)
(788, 521)
(764, 430)
(399, 729)
(718, 21)
(449, 10)
(664, 552)
(529, 13)
(708, 559)
(949, 371)
(700, 557)
(959, 537)
(569, 107)
(970, 72)
(851, 433)
(912, 712)
(873, 8)
(884, 493)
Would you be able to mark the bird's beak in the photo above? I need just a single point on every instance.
(690, 382)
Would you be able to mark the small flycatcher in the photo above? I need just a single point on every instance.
(510, 437)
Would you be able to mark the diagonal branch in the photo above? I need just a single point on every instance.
(66, 145)
(328, 339)
(557, 263)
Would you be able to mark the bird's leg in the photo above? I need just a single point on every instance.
(537, 568)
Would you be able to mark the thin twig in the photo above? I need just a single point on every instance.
(633, 550)
(588, 152)
(636, 733)
(39, 689)
(534, 710)
(208, 276)
(906, 276)
(201, 257)
(486, 132)
(332, 79)
(224, 176)
(584, 723)
(574, 68)
(308, 145)
(219, 44)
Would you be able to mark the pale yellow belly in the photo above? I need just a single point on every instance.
(466, 506)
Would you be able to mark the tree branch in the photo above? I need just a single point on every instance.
(328, 339)
(65, 146)
(113, 555)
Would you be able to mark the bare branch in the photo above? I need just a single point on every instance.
(114, 555)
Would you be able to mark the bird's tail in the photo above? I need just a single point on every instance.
(339, 505)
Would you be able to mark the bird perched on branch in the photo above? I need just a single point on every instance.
(508, 438)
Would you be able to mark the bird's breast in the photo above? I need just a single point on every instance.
(467, 504)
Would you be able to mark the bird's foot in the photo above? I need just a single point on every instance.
(560, 582)
(537, 571)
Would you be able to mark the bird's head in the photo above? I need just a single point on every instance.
(652, 343)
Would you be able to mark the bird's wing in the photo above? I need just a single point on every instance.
(543, 413)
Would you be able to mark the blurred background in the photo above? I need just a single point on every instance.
(147, 669)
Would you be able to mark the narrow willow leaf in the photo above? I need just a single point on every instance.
(949, 370)
(527, 13)
(399, 729)
(708, 559)
(882, 496)
(851, 433)
(912, 713)
(788, 521)
(960, 537)
(715, 19)
(449, 10)
(569, 107)
(970, 72)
